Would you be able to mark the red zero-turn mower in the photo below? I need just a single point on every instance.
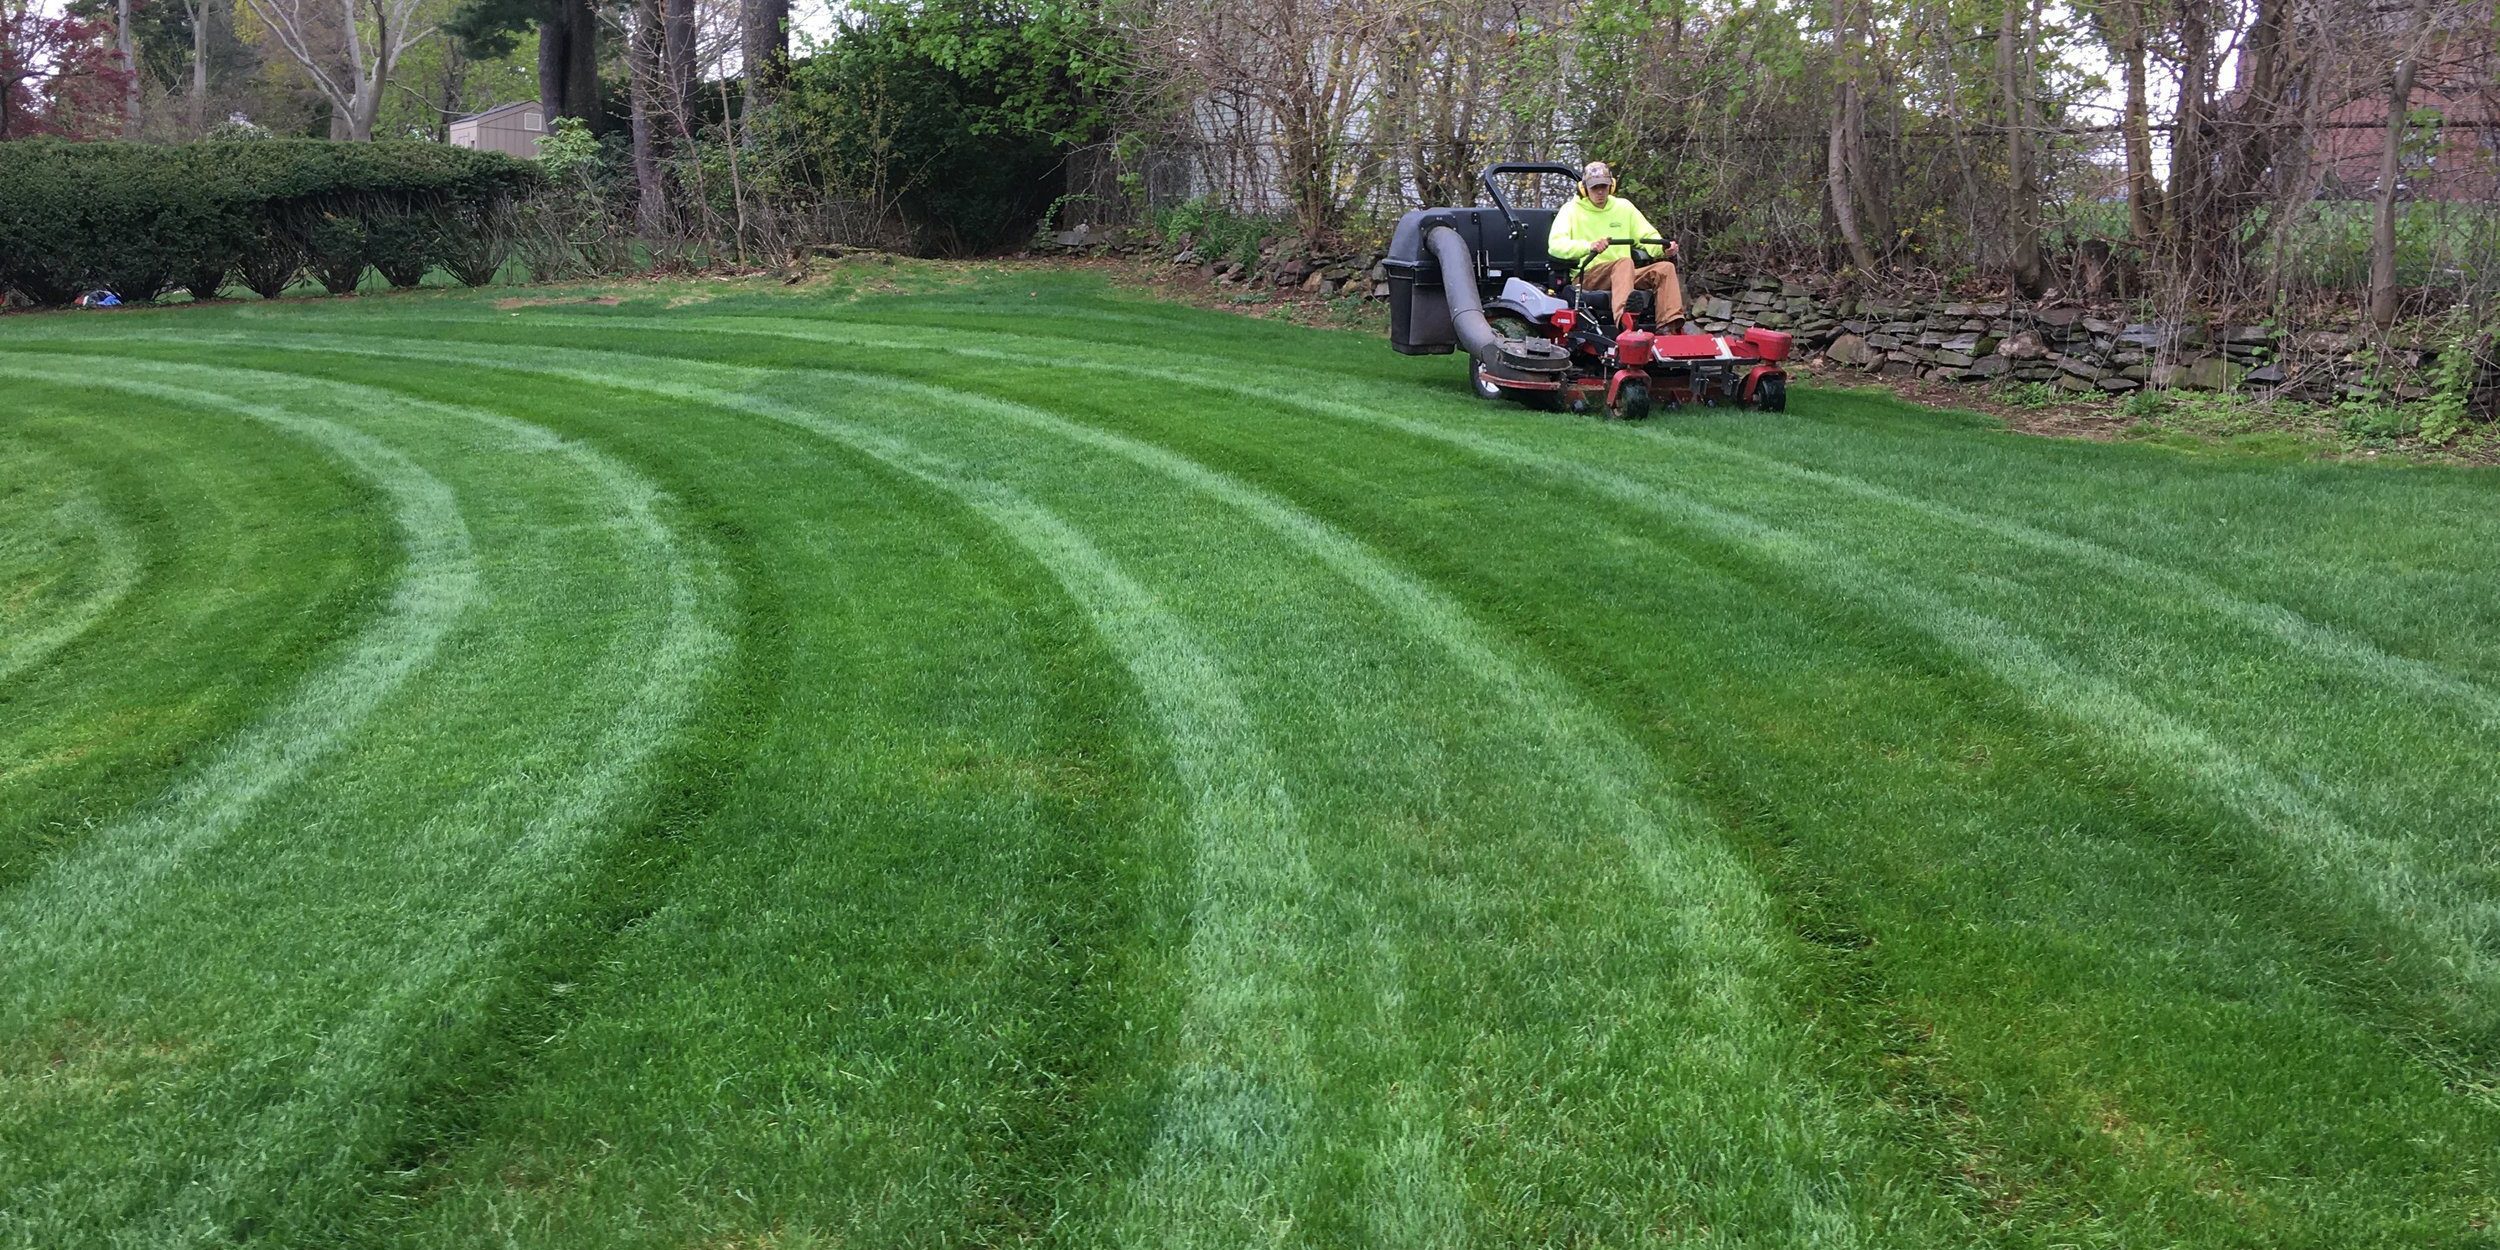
(1479, 278)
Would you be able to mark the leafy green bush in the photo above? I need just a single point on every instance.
(898, 113)
(142, 219)
(2454, 376)
(2376, 422)
(1217, 234)
(337, 243)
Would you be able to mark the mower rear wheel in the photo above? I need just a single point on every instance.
(1632, 401)
(1771, 395)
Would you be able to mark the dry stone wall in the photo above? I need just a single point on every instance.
(2069, 346)
(2073, 347)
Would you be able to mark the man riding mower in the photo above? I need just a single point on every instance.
(1548, 304)
(1599, 229)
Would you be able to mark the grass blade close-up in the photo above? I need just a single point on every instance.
(1005, 760)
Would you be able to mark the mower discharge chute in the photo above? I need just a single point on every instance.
(1479, 278)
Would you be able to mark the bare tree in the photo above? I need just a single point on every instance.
(2143, 189)
(2015, 28)
(127, 40)
(2411, 42)
(197, 11)
(677, 58)
(350, 53)
(1286, 78)
(1847, 137)
(644, 37)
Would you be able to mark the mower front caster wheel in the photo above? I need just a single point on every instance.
(1771, 395)
(1485, 387)
(1632, 401)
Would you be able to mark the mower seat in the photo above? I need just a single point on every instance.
(1600, 302)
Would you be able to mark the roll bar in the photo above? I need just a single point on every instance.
(1494, 190)
(1518, 232)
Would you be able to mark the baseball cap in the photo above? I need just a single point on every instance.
(1595, 174)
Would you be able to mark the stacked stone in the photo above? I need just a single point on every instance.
(1936, 339)
(1285, 263)
(2065, 346)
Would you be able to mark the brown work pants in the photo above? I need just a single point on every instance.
(1619, 277)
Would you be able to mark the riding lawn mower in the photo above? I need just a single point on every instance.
(1479, 278)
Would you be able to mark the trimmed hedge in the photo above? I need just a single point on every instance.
(144, 219)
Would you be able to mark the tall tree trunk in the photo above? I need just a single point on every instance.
(199, 67)
(2191, 159)
(642, 73)
(455, 86)
(568, 62)
(2022, 205)
(2143, 192)
(1844, 110)
(552, 99)
(2241, 159)
(129, 41)
(2390, 166)
(677, 99)
(1874, 199)
(1940, 41)
(581, 64)
(764, 49)
(369, 89)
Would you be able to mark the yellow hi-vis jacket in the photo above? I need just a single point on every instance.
(1579, 224)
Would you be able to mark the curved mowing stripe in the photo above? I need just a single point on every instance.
(656, 665)
(1239, 1111)
(1714, 907)
(2459, 927)
(74, 901)
(2415, 676)
(1245, 1087)
(2418, 677)
(117, 570)
(666, 671)
(2454, 922)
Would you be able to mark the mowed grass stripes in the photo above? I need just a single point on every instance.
(1022, 764)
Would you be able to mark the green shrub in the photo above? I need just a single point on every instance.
(2374, 422)
(2454, 376)
(889, 113)
(1218, 234)
(337, 244)
(142, 219)
(402, 245)
(477, 240)
(2029, 395)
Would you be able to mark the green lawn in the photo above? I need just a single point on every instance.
(1016, 763)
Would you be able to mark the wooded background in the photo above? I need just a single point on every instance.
(2181, 151)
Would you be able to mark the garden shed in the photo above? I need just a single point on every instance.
(512, 129)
